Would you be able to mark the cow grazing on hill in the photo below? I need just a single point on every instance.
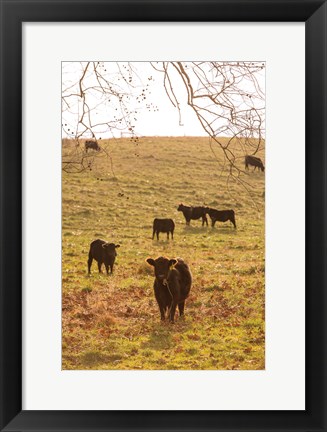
(172, 284)
(254, 161)
(221, 216)
(104, 253)
(164, 226)
(93, 145)
(193, 213)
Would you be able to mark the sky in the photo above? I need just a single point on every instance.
(155, 115)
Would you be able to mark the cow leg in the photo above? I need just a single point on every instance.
(172, 311)
(206, 220)
(99, 266)
(89, 263)
(181, 308)
(188, 221)
(233, 222)
(213, 221)
(172, 234)
(107, 268)
(157, 235)
(167, 235)
(153, 234)
(162, 313)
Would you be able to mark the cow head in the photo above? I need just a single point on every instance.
(110, 248)
(180, 207)
(162, 267)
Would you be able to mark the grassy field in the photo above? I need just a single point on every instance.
(113, 322)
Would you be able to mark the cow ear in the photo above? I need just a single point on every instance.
(150, 261)
(172, 263)
(117, 246)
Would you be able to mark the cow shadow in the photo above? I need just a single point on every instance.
(195, 230)
(224, 229)
(162, 242)
(216, 230)
(160, 338)
(94, 359)
(161, 334)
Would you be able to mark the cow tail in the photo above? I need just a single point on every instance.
(233, 217)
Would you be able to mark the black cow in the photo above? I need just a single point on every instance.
(172, 284)
(93, 145)
(221, 216)
(164, 226)
(254, 161)
(104, 253)
(193, 213)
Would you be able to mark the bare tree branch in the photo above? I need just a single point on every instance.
(106, 99)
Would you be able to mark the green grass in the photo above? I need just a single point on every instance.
(113, 322)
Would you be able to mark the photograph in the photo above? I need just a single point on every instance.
(163, 215)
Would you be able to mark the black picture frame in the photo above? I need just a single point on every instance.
(13, 14)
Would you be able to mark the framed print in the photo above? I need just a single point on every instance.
(137, 342)
(163, 215)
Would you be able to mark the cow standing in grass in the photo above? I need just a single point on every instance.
(221, 216)
(193, 213)
(254, 161)
(104, 253)
(172, 284)
(93, 145)
(164, 226)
